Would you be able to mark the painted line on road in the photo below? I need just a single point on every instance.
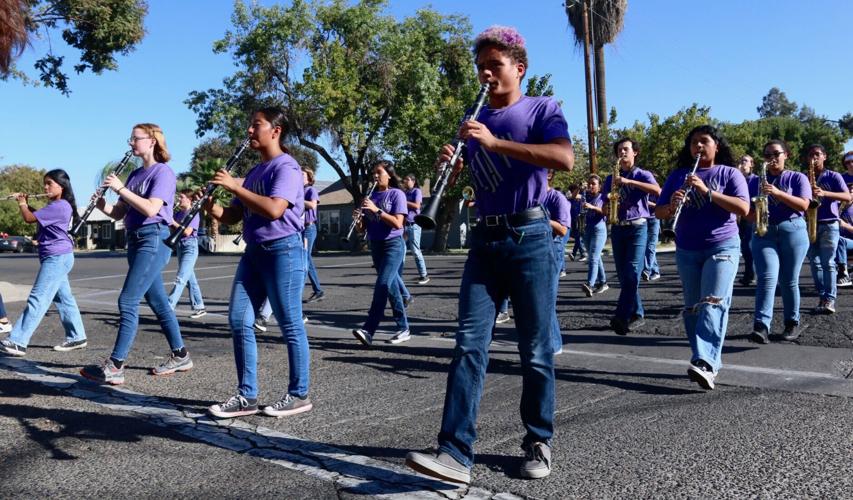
(356, 473)
(171, 271)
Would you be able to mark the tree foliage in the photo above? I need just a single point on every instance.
(776, 103)
(98, 29)
(19, 179)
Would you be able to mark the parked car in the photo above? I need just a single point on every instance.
(17, 244)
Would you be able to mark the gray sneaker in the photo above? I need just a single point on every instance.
(587, 290)
(69, 345)
(173, 364)
(235, 406)
(260, 325)
(106, 373)
(12, 349)
(400, 337)
(198, 313)
(503, 317)
(537, 461)
(288, 405)
(440, 465)
(601, 288)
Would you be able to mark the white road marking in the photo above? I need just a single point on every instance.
(170, 271)
(364, 474)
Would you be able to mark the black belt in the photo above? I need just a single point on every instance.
(827, 222)
(516, 219)
(633, 222)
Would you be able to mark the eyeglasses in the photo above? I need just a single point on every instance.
(774, 154)
(133, 140)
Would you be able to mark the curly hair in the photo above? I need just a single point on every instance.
(724, 152)
(506, 38)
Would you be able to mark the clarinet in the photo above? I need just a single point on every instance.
(99, 194)
(426, 219)
(172, 240)
(357, 218)
(687, 193)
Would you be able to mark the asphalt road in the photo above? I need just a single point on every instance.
(629, 423)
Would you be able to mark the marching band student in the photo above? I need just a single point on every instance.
(651, 268)
(270, 203)
(414, 198)
(745, 226)
(515, 237)
(707, 244)
(56, 258)
(187, 256)
(629, 237)
(595, 236)
(845, 240)
(309, 234)
(778, 254)
(145, 203)
(576, 200)
(382, 216)
(559, 214)
(830, 189)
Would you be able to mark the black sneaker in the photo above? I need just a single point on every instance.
(288, 405)
(260, 325)
(235, 406)
(646, 276)
(829, 306)
(587, 290)
(701, 373)
(69, 345)
(792, 331)
(363, 336)
(198, 313)
(635, 323)
(12, 349)
(407, 301)
(316, 297)
(759, 334)
(423, 280)
(618, 326)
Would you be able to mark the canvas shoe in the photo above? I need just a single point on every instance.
(423, 280)
(106, 373)
(400, 337)
(654, 277)
(791, 332)
(537, 461)
(601, 288)
(503, 317)
(70, 345)
(260, 325)
(645, 275)
(759, 334)
(363, 336)
(587, 290)
(701, 373)
(439, 465)
(198, 313)
(6, 327)
(12, 349)
(829, 306)
(235, 406)
(316, 297)
(407, 301)
(288, 405)
(173, 364)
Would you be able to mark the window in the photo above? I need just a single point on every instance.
(108, 231)
(330, 221)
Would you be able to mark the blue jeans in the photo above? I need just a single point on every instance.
(708, 277)
(595, 237)
(388, 259)
(2, 308)
(562, 260)
(51, 286)
(779, 258)
(310, 235)
(579, 246)
(822, 260)
(524, 256)
(844, 246)
(629, 252)
(650, 264)
(413, 244)
(559, 248)
(187, 256)
(746, 231)
(275, 270)
(147, 255)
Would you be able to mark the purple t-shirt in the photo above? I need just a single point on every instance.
(156, 181)
(280, 177)
(634, 202)
(52, 234)
(793, 183)
(505, 185)
(703, 224)
(847, 215)
(391, 201)
(653, 200)
(310, 213)
(593, 217)
(558, 207)
(413, 196)
(830, 181)
(179, 216)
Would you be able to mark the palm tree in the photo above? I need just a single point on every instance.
(606, 21)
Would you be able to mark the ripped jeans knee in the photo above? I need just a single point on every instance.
(709, 301)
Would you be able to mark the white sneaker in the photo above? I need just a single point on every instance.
(400, 337)
(197, 313)
(260, 325)
(70, 345)
(6, 327)
(502, 318)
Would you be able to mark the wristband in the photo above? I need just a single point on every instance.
(119, 189)
(379, 213)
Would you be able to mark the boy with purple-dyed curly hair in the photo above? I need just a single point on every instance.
(509, 148)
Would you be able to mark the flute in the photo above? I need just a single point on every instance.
(15, 196)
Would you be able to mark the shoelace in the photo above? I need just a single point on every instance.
(534, 453)
(234, 402)
(286, 400)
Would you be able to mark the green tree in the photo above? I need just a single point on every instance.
(776, 103)
(19, 179)
(349, 76)
(98, 29)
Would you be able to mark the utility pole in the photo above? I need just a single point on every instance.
(590, 126)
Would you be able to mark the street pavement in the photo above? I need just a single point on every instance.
(628, 421)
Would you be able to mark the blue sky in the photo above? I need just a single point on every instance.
(725, 54)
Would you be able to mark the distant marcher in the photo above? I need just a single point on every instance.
(145, 204)
(575, 198)
(560, 219)
(845, 241)
(309, 234)
(746, 227)
(651, 268)
(595, 236)
(56, 257)
(778, 254)
(707, 243)
(414, 198)
(187, 256)
(830, 189)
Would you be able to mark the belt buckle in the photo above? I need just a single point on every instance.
(493, 220)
